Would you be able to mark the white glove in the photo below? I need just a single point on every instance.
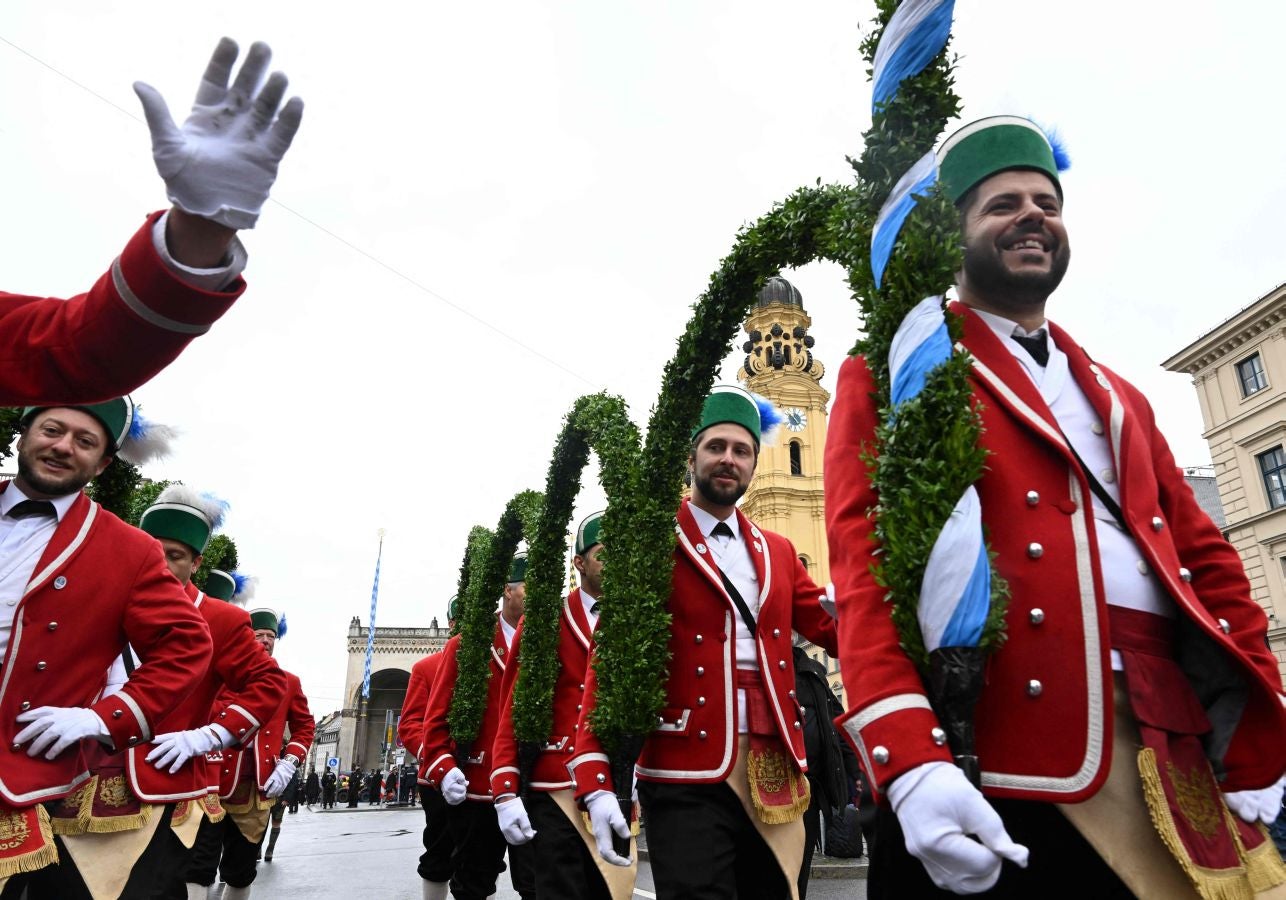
(514, 824)
(59, 727)
(221, 164)
(279, 778)
(938, 809)
(175, 748)
(827, 601)
(454, 787)
(1262, 805)
(605, 818)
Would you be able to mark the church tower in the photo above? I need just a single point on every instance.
(786, 494)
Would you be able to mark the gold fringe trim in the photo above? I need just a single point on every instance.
(1211, 884)
(778, 814)
(113, 824)
(84, 795)
(1264, 864)
(35, 860)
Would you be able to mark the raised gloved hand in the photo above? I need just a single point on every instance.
(454, 787)
(221, 164)
(280, 778)
(58, 727)
(938, 809)
(514, 824)
(175, 748)
(1262, 805)
(605, 818)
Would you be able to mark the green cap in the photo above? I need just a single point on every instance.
(587, 533)
(115, 415)
(268, 619)
(518, 568)
(991, 145)
(220, 585)
(453, 608)
(730, 403)
(181, 514)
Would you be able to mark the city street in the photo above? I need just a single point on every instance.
(372, 853)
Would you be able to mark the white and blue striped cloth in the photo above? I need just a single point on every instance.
(916, 181)
(916, 33)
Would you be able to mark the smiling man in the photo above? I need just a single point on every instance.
(1135, 685)
(721, 779)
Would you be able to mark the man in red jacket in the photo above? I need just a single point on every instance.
(435, 866)
(252, 777)
(570, 865)
(182, 271)
(721, 779)
(466, 783)
(1130, 620)
(77, 586)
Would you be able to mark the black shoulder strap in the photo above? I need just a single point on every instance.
(128, 657)
(741, 604)
(1098, 490)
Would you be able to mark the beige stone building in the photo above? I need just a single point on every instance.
(786, 494)
(1239, 371)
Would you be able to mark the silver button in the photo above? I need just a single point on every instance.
(702, 735)
(701, 670)
(701, 701)
(41, 666)
(578, 707)
(1097, 428)
(1185, 574)
(781, 664)
(16, 747)
(880, 755)
(1037, 616)
(1107, 475)
(797, 725)
(1035, 550)
(60, 582)
(26, 705)
(602, 779)
(939, 736)
(1032, 498)
(581, 687)
(1223, 626)
(133, 740)
(1142, 567)
(791, 694)
(508, 784)
(118, 713)
(1034, 688)
(776, 632)
(53, 626)
(701, 548)
(700, 639)
(1157, 523)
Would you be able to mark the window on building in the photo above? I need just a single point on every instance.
(1250, 372)
(796, 463)
(1273, 465)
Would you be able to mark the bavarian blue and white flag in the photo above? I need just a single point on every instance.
(921, 344)
(916, 181)
(916, 33)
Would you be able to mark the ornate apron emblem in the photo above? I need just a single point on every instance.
(14, 830)
(1197, 805)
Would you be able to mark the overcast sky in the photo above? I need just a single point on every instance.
(493, 208)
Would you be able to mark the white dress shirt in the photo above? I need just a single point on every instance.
(1128, 581)
(588, 600)
(733, 558)
(507, 631)
(22, 541)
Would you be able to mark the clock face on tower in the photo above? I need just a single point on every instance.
(796, 419)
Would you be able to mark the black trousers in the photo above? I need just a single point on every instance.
(479, 855)
(435, 862)
(812, 834)
(704, 847)
(221, 847)
(1061, 863)
(63, 881)
(522, 869)
(566, 869)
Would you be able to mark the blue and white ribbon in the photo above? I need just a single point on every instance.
(916, 33)
(370, 637)
(916, 181)
(955, 593)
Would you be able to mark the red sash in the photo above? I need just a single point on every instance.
(778, 788)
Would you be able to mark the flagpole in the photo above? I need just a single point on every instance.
(364, 699)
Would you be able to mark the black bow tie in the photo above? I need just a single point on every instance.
(594, 606)
(1037, 345)
(26, 508)
(721, 530)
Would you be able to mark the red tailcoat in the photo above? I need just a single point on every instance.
(410, 727)
(99, 586)
(695, 740)
(248, 684)
(550, 770)
(131, 325)
(439, 749)
(1037, 512)
(258, 758)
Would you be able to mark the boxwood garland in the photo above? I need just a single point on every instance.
(487, 571)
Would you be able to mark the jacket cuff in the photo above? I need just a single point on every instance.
(893, 735)
(504, 781)
(124, 719)
(240, 724)
(590, 772)
(438, 769)
(297, 749)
